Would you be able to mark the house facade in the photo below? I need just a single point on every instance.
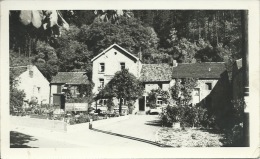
(63, 82)
(154, 76)
(34, 84)
(110, 61)
(207, 74)
(164, 76)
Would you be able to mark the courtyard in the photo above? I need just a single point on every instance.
(136, 131)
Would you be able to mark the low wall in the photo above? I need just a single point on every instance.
(54, 125)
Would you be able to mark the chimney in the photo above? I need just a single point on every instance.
(174, 63)
(140, 54)
(30, 69)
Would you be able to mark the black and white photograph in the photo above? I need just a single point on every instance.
(132, 80)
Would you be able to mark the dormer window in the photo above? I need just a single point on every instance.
(31, 74)
(122, 65)
(208, 86)
(102, 67)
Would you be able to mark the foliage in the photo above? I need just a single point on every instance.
(154, 93)
(128, 33)
(46, 60)
(124, 85)
(234, 134)
(110, 104)
(182, 90)
(192, 116)
(111, 16)
(238, 111)
(72, 54)
(186, 115)
(16, 100)
(170, 115)
(85, 93)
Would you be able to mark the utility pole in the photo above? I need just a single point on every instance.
(244, 22)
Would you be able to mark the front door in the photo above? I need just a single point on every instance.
(141, 103)
(59, 99)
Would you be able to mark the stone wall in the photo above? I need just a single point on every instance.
(54, 125)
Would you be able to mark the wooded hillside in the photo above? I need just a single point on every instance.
(44, 38)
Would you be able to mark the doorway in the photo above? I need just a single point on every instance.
(142, 104)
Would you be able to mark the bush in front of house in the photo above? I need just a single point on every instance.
(188, 116)
(79, 119)
(170, 115)
(234, 134)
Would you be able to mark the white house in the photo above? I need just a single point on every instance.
(34, 84)
(110, 61)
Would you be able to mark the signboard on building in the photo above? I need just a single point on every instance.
(76, 106)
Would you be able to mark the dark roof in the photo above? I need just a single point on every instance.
(198, 70)
(156, 72)
(70, 78)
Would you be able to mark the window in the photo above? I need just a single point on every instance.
(74, 91)
(101, 83)
(39, 90)
(122, 64)
(102, 67)
(102, 102)
(58, 88)
(197, 92)
(208, 86)
(159, 100)
(123, 101)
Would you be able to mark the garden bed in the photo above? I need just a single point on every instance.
(190, 137)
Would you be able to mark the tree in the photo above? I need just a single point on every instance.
(124, 85)
(16, 100)
(153, 95)
(29, 26)
(128, 33)
(181, 92)
(111, 15)
(46, 60)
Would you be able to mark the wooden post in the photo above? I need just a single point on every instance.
(244, 22)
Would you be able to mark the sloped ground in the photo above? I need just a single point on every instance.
(138, 126)
(190, 137)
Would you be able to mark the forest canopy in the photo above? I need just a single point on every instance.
(66, 40)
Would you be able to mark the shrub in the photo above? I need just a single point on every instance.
(192, 116)
(188, 116)
(83, 119)
(234, 136)
(16, 100)
(170, 115)
(72, 121)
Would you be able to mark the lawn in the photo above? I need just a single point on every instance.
(190, 137)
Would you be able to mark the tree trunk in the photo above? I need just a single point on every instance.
(216, 26)
(208, 30)
(120, 105)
